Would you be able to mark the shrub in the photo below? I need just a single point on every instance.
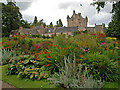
(72, 75)
(100, 66)
(28, 67)
(6, 55)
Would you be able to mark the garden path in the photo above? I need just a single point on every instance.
(6, 85)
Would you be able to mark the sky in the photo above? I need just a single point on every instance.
(53, 10)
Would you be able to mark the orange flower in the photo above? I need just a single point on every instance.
(81, 55)
(75, 48)
(68, 47)
(63, 48)
(48, 52)
(44, 65)
(37, 59)
(8, 47)
(48, 65)
(48, 56)
(22, 61)
(35, 72)
(34, 61)
(111, 50)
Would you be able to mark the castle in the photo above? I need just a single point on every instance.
(74, 23)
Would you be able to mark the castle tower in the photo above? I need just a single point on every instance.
(76, 20)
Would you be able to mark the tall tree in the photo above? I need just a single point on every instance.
(42, 22)
(51, 25)
(25, 24)
(11, 18)
(59, 23)
(114, 26)
(35, 21)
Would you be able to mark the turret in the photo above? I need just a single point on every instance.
(86, 20)
(73, 12)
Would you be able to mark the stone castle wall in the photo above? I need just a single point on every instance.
(76, 20)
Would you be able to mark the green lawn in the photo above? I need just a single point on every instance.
(18, 83)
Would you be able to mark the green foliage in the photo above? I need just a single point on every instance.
(59, 23)
(114, 26)
(76, 33)
(72, 75)
(27, 67)
(35, 21)
(25, 24)
(51, 25)
(101, 66)
(11, 18)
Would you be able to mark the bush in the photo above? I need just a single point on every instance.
(72, 75)
(28, 67)
(100, 66)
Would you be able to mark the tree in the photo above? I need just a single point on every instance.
(114, 26)
(42, 22)
(51, 25)
(59, 23)
(11, 18)
(35, 21)
(25, 24)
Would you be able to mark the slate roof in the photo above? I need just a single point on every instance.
(27, 31)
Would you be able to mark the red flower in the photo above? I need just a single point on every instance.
(50, 45)
(58, 48)
(63, 48)
(45, 52)
(44, 48)
(33, 52)
(117, 52)
(37, 59)
(48, 65)
(68, 47)
(44, 65)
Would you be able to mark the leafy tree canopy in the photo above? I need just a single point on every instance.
(114, 26)
(11, 18)
(59, 23)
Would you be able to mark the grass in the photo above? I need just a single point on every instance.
(22, 83)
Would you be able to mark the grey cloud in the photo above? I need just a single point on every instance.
(23, 5)
(90, 11)
(28, 18)
(68, 5)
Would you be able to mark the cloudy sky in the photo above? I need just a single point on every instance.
(53, 10)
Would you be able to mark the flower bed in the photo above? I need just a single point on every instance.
(41, 60)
